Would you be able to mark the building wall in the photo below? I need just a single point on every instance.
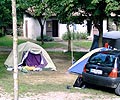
(73, 28)
(31, 28)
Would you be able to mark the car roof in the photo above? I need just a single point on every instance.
(113, 52)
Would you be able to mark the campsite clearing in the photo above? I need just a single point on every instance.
(51, 84)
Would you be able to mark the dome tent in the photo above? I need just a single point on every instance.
(77, 67)
(31, 54)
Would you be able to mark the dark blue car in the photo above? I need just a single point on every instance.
(103, 69)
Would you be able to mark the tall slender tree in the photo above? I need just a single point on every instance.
(37, 9)
(15, 52)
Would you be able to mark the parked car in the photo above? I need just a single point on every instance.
(103, 69)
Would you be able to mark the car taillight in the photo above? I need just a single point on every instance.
(84, 70)
(114, 74)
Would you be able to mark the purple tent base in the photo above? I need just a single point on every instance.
(36, 60)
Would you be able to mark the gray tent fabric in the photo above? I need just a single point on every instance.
(25, 50)
(112, 34)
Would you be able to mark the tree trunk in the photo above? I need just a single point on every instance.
(89, 26)
(108, 24)
(42, 28)
(42, 40)
(15, 48)
(69, 38)
(3, 31)
(98, 23)
(101, 33)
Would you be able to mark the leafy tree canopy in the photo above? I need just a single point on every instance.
(65, 10)
(5, 13)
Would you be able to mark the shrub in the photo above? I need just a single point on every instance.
(45, 38)
(75, 36)
(65, 36)
(83, 35)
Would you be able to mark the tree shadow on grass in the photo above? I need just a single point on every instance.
(101, 88)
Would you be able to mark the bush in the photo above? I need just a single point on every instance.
(65, 36)
(45, 38)
(83, 35)
(75, 36)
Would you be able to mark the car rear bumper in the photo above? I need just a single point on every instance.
(99, 80)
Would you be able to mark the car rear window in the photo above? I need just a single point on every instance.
(104, 59)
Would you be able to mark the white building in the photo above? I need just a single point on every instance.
(32, 29)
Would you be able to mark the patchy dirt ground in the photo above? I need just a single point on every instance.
(68, 96)
(59, 96)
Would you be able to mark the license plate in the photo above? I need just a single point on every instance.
(96, 71)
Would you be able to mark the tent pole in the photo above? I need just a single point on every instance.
(72, 50)
(72, 56)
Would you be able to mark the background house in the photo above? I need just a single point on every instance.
(31, 28)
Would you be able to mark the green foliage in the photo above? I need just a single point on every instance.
(75, 36)
(64, 9)
(5, 12)
(45, 38)
(83, 35)
(36, 8)
(65, 36)
(5, 15)
(112, 5)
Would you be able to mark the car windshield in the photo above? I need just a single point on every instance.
(103, 59)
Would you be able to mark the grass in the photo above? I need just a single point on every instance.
(52, 45)
(77, 55)
(83, 44)
(38, 81)
(8, 42)
(3, 72)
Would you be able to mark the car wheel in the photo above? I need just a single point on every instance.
(117, 90)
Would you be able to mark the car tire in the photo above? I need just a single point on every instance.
(117, 90)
